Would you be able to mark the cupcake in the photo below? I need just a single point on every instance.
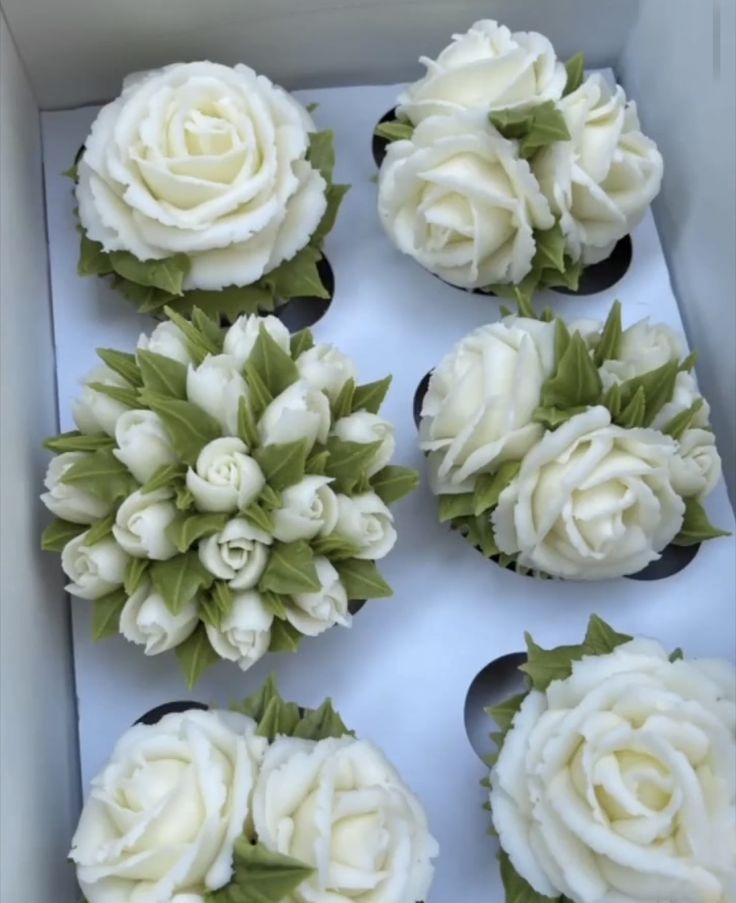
(508, 172)
(207, 806)
(615, 775)
(205, 185)
(576, 452)
(226, 492)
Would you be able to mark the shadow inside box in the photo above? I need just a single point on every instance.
(497, 682)
(379, 143)
(673, 559)
(598, 277)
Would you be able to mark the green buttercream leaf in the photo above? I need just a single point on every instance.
(75, 441)
(184, 499)
(518, 890)
(72, 173)
(106, 613)
(100, 530)
(299, 277)
(260, 397)
(601, 638)
(677, 655)
(551, 418)
(609, 346)
(101, 474)
(321, 723)
(548, 126)
(512, 124)
(321, 153)
(687, 364)
(488, 487)
(279, 718)
(145, 297)
(255, 705)
(334, 547)
(634, 414)
(290, 570)
(164, 476)
(275, 366)
(228, 303)
(221, 600)
(58, 533)
(195, 656)
(575, 67)
(576, 382)
(394, 130)
(93, 259)
(613, 400)
(343, 404)
(551, 248)
(505, 712)
(179, 579)
(184, 530)
(247, 429)
(393, 483)
(188, 426)
(276, 604)
(283, 465)
(696, 526)
(166, 275)
(208, 325)
(257, 515)
(199, 344)
(134, 574)
(349, 462)
(300, 342)
(362, 579)
(680, 423)
(479, 533)
(123, 364)
(370, 397)
(452, 506)
(163, 375)
(317, 461)
(284, 637)
(260, 876)
(270, 499)
(127, 396)
(335, 195)
(658, 387)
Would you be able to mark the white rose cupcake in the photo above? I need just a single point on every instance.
(202, 179)
(507, 172)
(201, 802)
(615, 775)
(579, 452)
(227, 492)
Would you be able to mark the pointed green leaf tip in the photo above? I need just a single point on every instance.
(535, 128)
(196, 655)
(575, 67)
(261, 876)
(576, 382)
(395, 130)
(517, 889)
(696, 526)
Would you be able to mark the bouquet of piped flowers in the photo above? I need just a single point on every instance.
(226, 492)
(508, 171)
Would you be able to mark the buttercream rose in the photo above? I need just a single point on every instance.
(168, 341)
(643, 347)
(326, 368)
(308, 508)
(93, 571)
(147, 621)
(458, 198)
(368, 836)
(141, 522)
(619, 782)
(70, 502)
(245, 633)
(365, 428)
(697, 467)
(299, 412)
(488, 68)
(477, 412)
(367, 524)
(238, 554)
(143, 444)
(204, 160)
(241, 337)
(163, 816)
(217, 386)
(313, 613)
(226, 478)
(591, 500)
(601, 182)
(95, 411)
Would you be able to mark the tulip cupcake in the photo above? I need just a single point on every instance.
(205, 185)
(615, 775)
(507, 171)
(219, 807)
(226, 492)
(578, 452)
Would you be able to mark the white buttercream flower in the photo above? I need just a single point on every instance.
(141, 522)
(168, 341)
(365, 522)
(307, 508)
(458, 198)
(591, 500)
(477, 412)
(93, 411)
(94, 571)
(326, 368)
(238, 554)
(488, 68)
(67, 501)
(146, 620)
(143, 443)
(365, 428)
(619, 782)
(217, 386)
(243, 334)
(299, 412)
(683, 398)
(601, 182)
(245, 633)
(205, 160)
(696, 469)
(226, 478)
(367, 838)
(644, 346)
(313, 613)
(163, 816)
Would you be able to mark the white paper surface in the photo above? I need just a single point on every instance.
(401, 675)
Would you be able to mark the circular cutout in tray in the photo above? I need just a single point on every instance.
(169, 708)
(499, 680)
(379, 144)
(604, 275)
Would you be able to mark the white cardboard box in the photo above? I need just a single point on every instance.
(453, 612)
